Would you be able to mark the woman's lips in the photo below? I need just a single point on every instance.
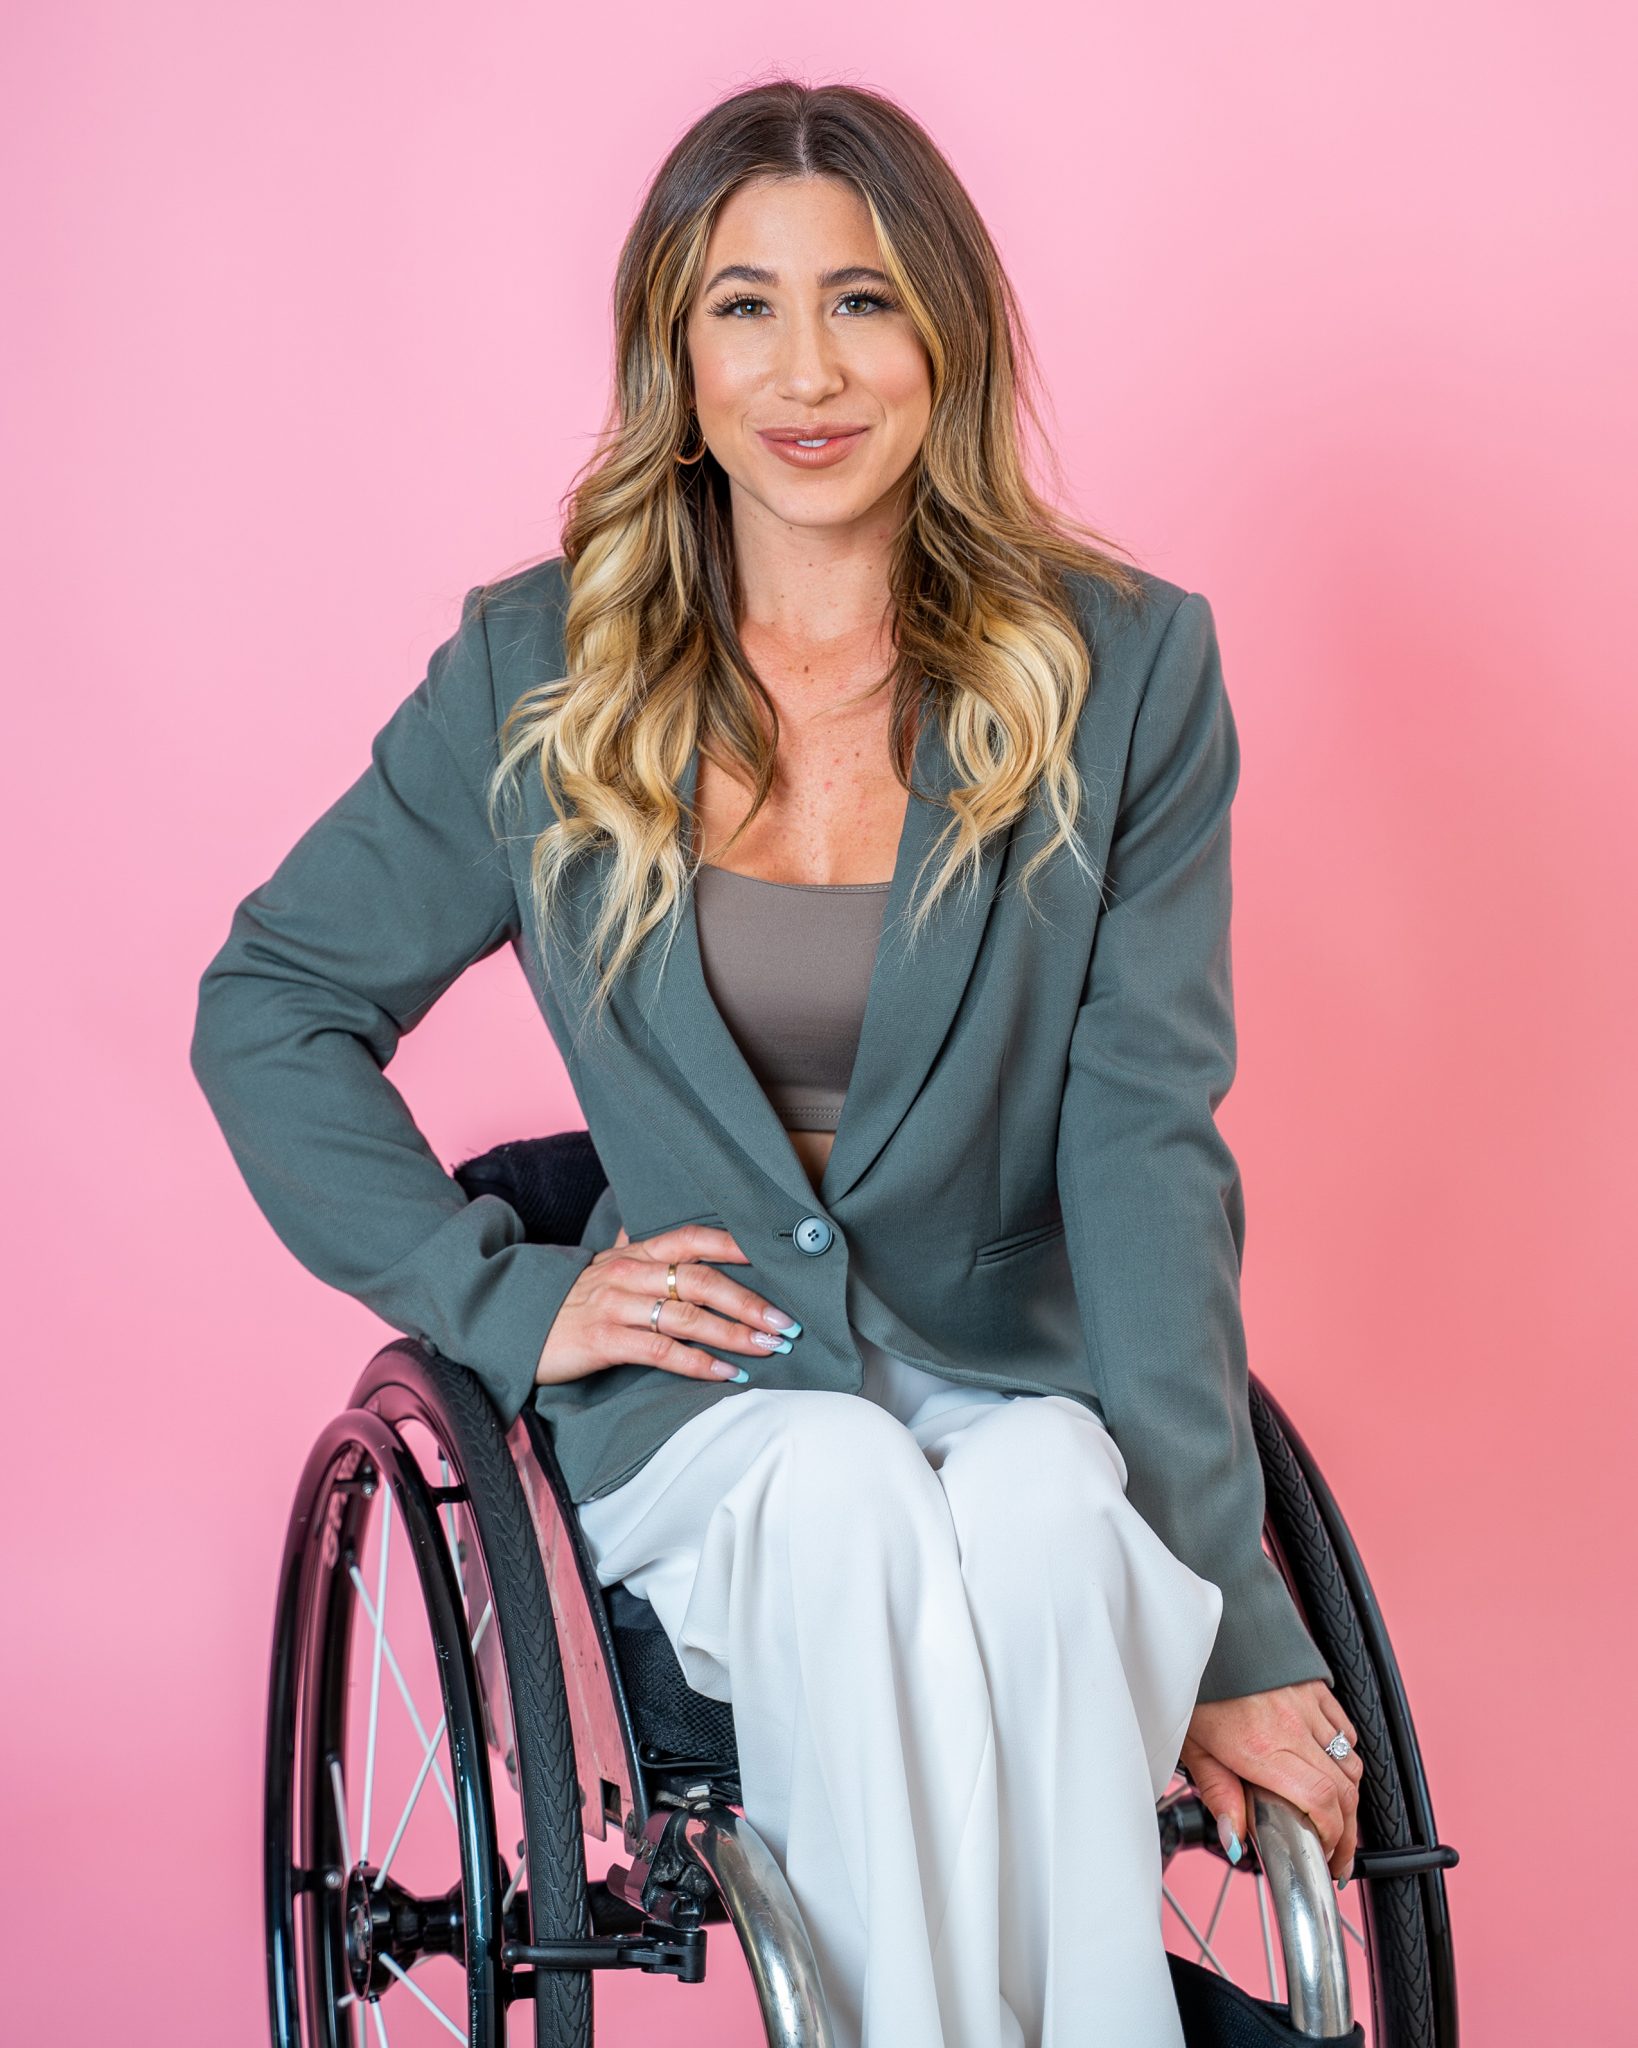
(836, 448)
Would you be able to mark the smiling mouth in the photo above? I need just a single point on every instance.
(797, 450)
(785, 438)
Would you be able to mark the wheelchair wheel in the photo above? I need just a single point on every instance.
(414, 1650)
(1392, 1927)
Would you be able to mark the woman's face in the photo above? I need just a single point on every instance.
(796, 328)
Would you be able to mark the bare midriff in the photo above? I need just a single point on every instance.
(813, 1149)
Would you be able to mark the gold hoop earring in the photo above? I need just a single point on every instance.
(687, 460)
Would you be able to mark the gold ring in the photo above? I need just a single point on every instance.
(671, 1281)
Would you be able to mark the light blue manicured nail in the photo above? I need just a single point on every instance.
(791, 1329)
(1229, 1839)
(742, 1374)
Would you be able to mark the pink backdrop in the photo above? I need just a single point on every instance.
(309, 333)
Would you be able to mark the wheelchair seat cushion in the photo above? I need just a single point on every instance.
(673, 1722)
(1219, 2014)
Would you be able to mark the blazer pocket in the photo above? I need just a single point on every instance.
(1020, 1241)
(677, 1222)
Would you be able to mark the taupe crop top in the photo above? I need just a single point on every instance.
(788, 965)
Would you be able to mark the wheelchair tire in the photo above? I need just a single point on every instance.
(409, 1382)
(1404, 1915)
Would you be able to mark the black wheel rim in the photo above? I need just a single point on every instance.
(434, 1402)
(1396, 1929)
(368, 1902)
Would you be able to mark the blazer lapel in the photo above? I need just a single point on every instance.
(911, 1003)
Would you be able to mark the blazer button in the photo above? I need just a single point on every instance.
(813, 1234)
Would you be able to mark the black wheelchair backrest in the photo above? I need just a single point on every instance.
(552, 1182)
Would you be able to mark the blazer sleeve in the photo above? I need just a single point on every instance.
(1151, 1192)
(379, 906)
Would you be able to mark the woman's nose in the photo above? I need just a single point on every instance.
(808, 363)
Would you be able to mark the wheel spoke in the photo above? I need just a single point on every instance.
(437, 2011)
(430, 1751)
(403, 1688)
(1222, 1899)
(375, 1671)
(428, 1754)
(380, 2023)
(1268, 1934)
(1195, 1935)
(517, 1879)
(1350, 1928)
(339, 1794)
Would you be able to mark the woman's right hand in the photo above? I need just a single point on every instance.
(604, 1319)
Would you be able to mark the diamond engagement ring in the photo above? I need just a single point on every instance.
(1339, 1746)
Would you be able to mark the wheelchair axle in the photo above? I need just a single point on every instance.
(386, 1926)
(677, 1952)
(391, 1923)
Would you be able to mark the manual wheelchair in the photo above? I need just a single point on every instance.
(563, 1717)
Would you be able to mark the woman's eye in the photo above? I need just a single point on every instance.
(730, 308)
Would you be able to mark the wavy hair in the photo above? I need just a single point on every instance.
(651, 644)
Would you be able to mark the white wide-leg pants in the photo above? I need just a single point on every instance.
(961, 1666)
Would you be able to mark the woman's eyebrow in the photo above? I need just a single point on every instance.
(754, 273)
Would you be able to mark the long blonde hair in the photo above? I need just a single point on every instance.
(651, 647)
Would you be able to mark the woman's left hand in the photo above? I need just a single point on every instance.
(1277, 1740)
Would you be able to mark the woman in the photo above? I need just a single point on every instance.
(963, 1662)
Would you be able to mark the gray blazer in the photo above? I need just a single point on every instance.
(1027, 1188)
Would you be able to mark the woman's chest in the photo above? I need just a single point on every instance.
(835, 813)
